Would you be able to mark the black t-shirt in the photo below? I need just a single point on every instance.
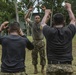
(13, 53)
(59, 42)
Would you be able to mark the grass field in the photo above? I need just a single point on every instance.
(28, 62)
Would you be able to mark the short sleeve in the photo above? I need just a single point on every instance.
(47, 30)
(29, 45)
(72, 28)
(31, 23)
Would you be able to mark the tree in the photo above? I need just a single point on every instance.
(56, 6)
(6, 9)
(16, 10)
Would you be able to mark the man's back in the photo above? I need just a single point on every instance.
(13, 49)
(59, 42)
(13, 53)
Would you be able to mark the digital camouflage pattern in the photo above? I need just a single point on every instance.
(59, 69)
(20, 73)
(39, 47)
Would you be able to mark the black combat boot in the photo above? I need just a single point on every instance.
(35, 69)
(42, 69)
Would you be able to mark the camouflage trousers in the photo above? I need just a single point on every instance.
(20, 73)
(59, 69)
(39, 47)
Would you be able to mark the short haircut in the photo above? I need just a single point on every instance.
(14, 27)
(37, 15)
(58, 19)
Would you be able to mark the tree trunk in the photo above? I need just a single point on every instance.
(16, 10)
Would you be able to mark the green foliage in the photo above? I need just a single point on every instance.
(56, 7)
(6, 10)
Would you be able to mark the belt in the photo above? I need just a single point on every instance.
(59, 62)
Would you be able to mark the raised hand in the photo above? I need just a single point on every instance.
(43, 8)
(67, 6)
(21, 32)
(48, 11)
(31, 8)
(4, 25)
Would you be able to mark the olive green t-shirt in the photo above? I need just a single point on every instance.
(37, 33)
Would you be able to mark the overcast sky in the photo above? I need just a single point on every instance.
(35, 10)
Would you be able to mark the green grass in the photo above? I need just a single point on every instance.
(28, 62)
(74, 54)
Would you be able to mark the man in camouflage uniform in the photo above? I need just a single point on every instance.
(59, 42)
(39, 45)
(21, 73)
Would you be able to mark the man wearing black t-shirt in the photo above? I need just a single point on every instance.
(59, 42)
(13, 50)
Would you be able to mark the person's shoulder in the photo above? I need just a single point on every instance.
(49, 30)
(31, 22)
(71, 25)
(5, 36)
(23, 37)
(46, 26)
(49, 27)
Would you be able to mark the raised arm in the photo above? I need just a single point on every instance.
(71, 15)
(26, 17)
(46, 17)
(4, 25)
